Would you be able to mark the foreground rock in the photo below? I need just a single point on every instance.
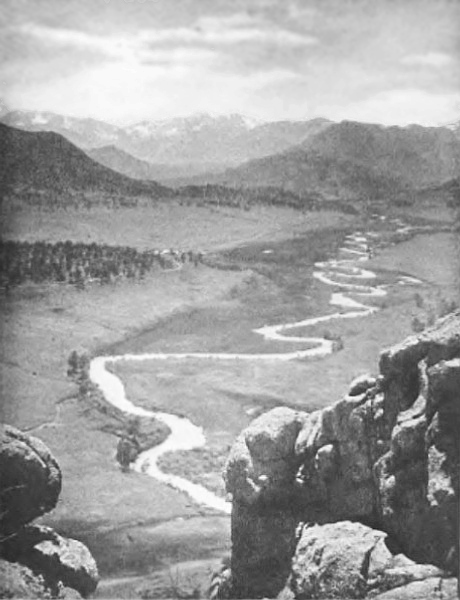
(349, 560)
(38, 563)
(386, 454)
(57, 558)
(30, 479)
(17, 581)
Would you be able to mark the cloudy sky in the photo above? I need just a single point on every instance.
(385, 61)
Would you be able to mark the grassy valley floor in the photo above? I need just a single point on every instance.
(132, 524)
(224, 396)
(149, 539)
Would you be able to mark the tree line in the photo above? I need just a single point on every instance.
(79, 263)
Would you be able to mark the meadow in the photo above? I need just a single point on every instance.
(144, 535)
(122, 516)
(224, 396)
(166, 224)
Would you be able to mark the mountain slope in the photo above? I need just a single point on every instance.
(123, 162)
(355, 160)
(194, 144)
(415, 154)
(227, 140)
(46, 161)
(84, 133)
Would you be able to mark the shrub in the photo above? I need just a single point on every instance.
(447, 307)
(419, 301)
(417, 325)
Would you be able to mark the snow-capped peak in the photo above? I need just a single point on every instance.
(39, 119)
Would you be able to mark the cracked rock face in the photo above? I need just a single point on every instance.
(30, 479)
(386, 454)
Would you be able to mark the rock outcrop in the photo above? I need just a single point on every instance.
(385, 456)
(30, 479)
(350, 560)
(17, 581)
(35, 560)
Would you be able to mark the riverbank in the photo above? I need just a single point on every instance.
(236, 387)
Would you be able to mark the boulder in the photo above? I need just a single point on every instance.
(60, 561)
(272, 436)
(332, 560)
(335, 452)
(17, 581)
(387, 454)
(433, 588)
(417, 478)
(30, 479)
(350, 560)
(262, 463)
(262, 546)
(361, 384)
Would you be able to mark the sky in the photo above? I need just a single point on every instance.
(124, 61)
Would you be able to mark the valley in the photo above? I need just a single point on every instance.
(143, 533)
(230, 299)
(179, 312)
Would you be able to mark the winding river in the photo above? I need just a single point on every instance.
(345, 273)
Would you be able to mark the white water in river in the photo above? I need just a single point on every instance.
(184, 434)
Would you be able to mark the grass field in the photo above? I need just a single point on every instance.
(164, 225)
(119, 515)
(224, 396)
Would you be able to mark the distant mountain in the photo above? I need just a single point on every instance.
(455, 128)
(47, 162)
(354, 160)
(4, 109)
(192, 144)
(335, 161)
(414, 154)
(85, 133)
(125, 163)
(226, 140)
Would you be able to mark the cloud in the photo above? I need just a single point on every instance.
(53, 36)
(208, 32)
(124, 92)
(430, 59)
(378, 62)
(241, 27)
(401, 107)
(134, 48)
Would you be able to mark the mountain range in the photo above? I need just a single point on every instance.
(318, 159)
(45, 162)
(351, 160)
(113, 157)
(199, 143)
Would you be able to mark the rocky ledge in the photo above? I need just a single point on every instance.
(36, 562)
(361, 497)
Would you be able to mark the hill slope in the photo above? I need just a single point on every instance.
(47, 162)
(355, 160)
(417, 155)
(228, 140)
(84, 133)
(125, 163)
(195, 144)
